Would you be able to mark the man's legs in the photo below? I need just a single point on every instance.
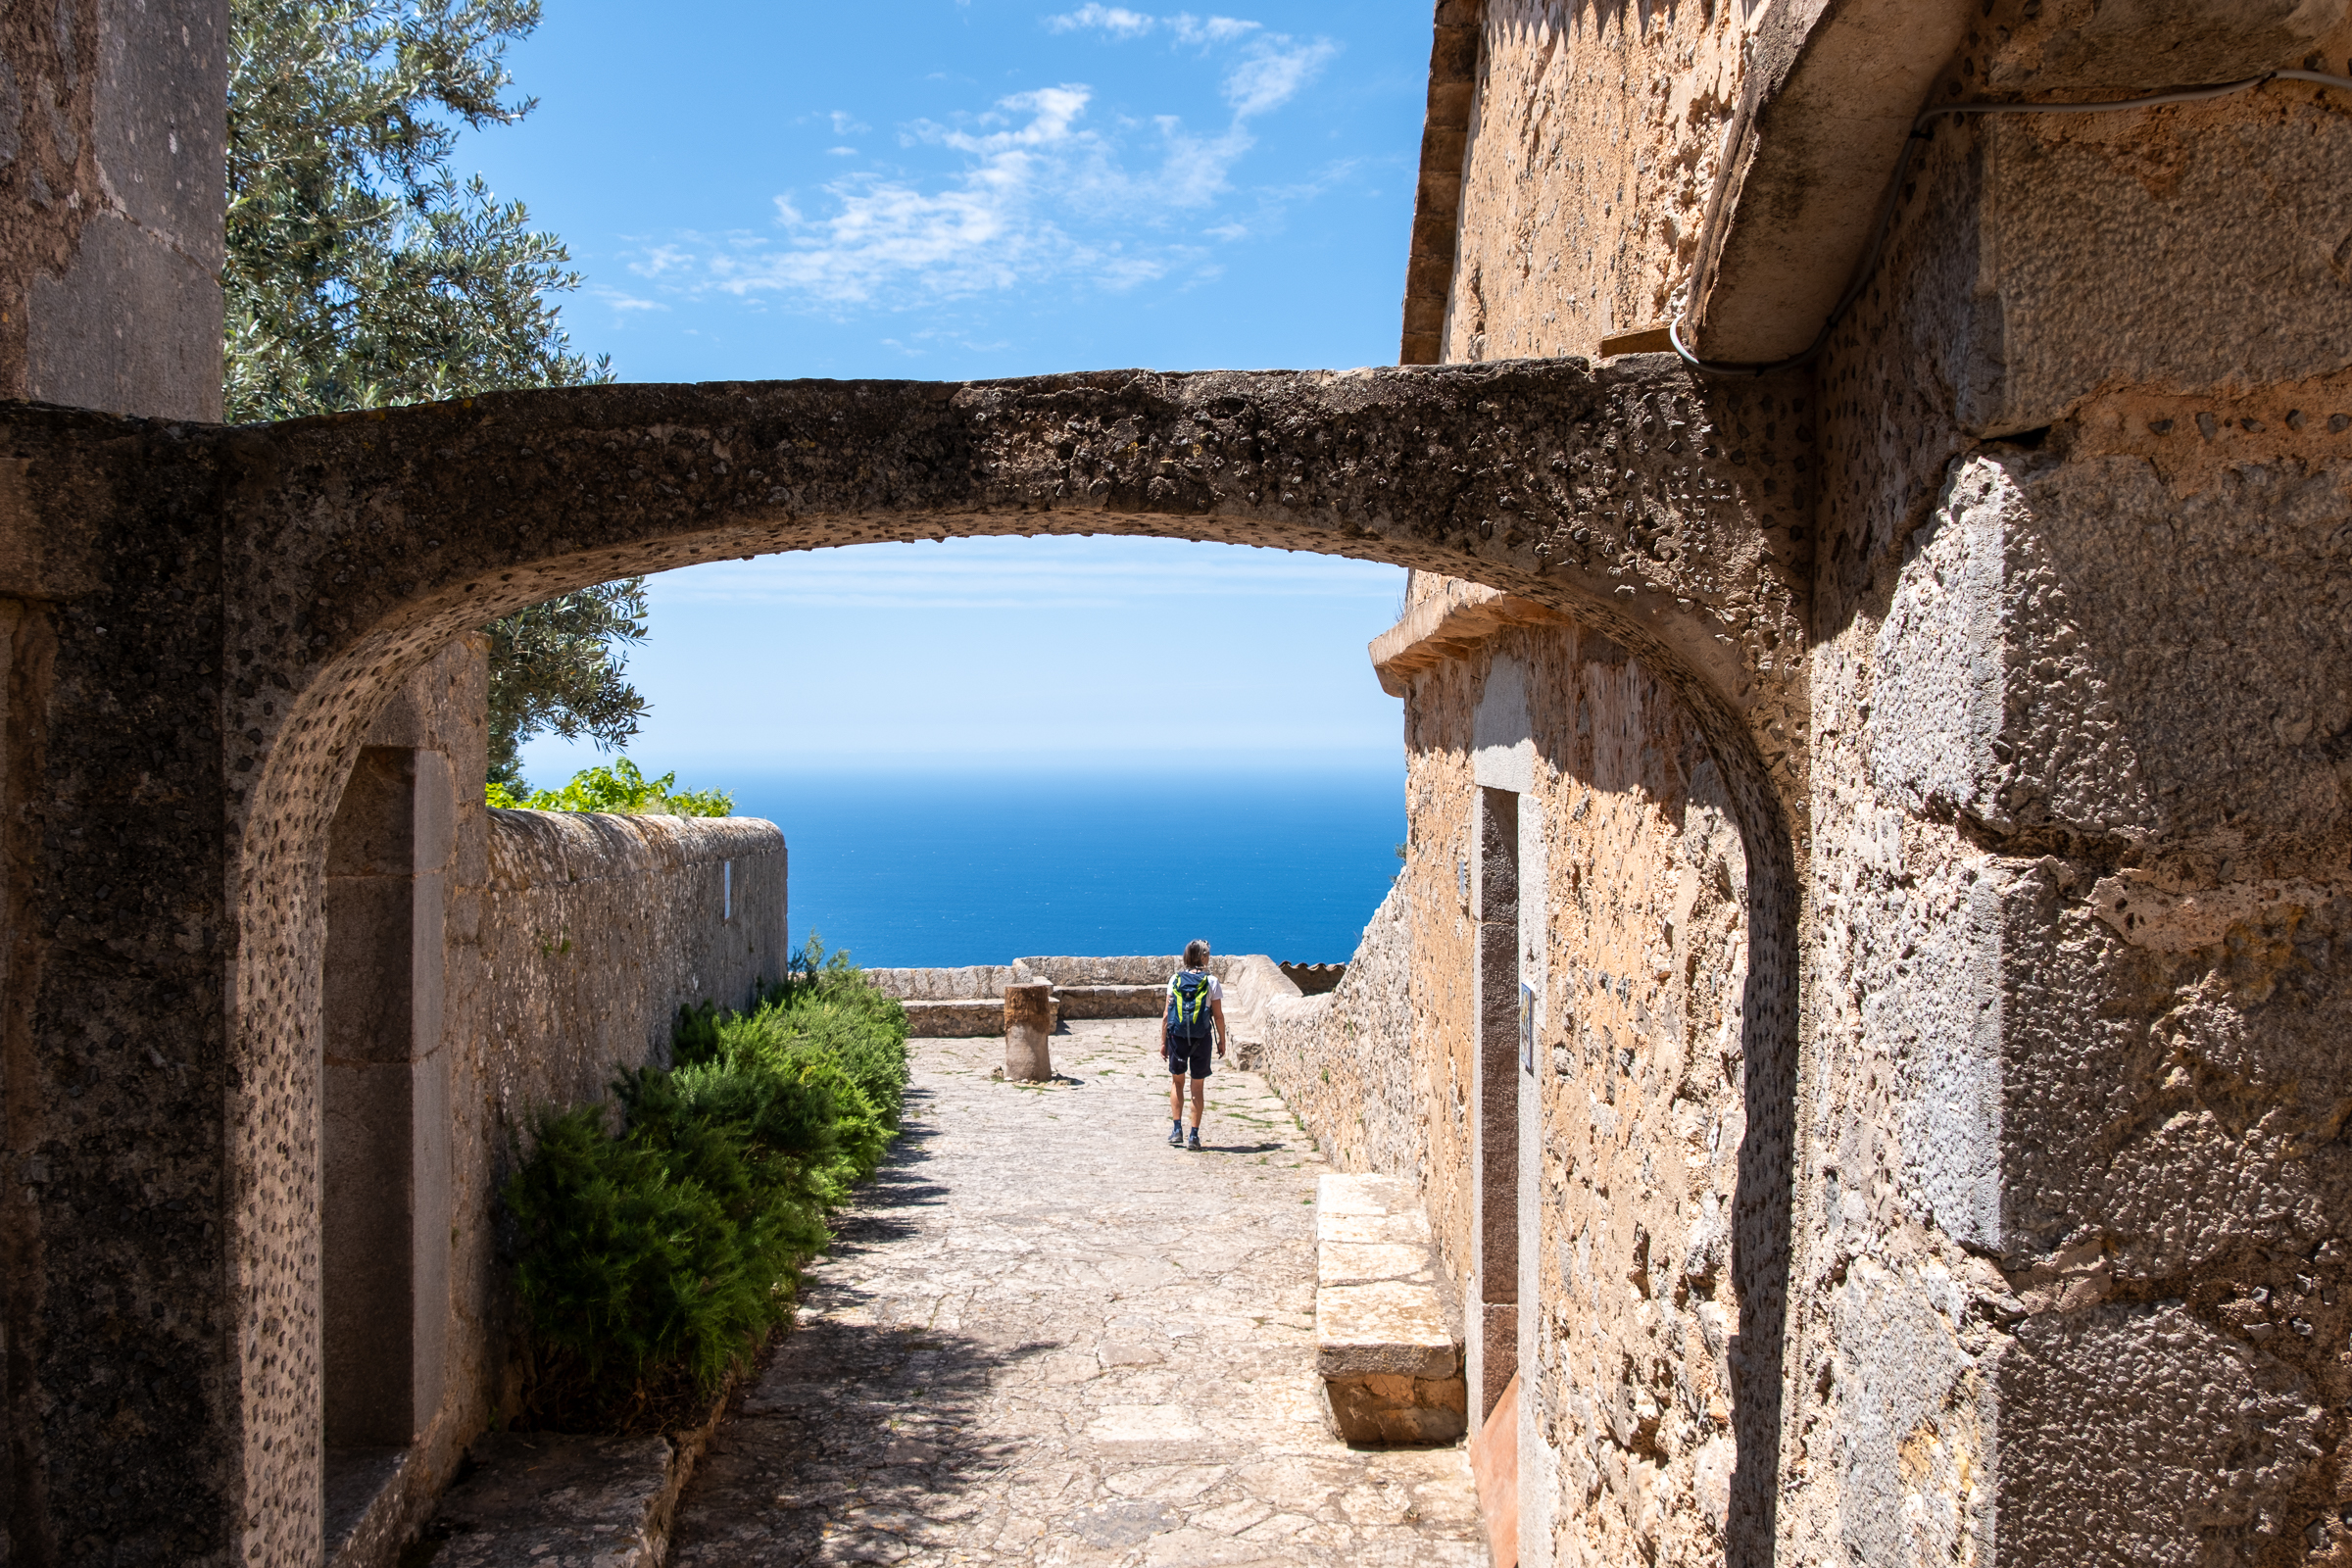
(1199, 1099)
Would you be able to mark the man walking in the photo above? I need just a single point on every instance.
(1196, 1013)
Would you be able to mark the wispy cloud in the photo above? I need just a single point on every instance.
(1274, 71)
(622, 299)
(1183, 25)
(1023, 574)
(1044, 195)
(1117, 21)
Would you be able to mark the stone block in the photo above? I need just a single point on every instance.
(1392, 1368)
(2138, 1432)
(131, 327)
(2083, 260)
(1378, 1409)
(2020, 687)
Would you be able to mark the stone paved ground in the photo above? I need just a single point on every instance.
(1046, 1337)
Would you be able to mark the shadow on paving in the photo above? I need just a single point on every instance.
(874, 1217)
(856, 1441)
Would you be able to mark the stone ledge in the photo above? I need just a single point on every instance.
(559, 1502)
(1392, 1369)
(1447, 624)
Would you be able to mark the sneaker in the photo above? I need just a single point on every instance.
(1176, 1136)
(1195, 1145)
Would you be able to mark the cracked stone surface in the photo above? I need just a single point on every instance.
(1046, 1337)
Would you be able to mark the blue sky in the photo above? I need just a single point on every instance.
(950, 191)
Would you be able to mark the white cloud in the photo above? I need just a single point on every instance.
(1277, 67)
(1269, 75)
(620, 300)
(1034, 175)
(1114, 20)
(1122, 22)
(1044, 195)
(655, 260)
(1194, 30)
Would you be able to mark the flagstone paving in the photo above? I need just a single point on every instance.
(1045, 1337)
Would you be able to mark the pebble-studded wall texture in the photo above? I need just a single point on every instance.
(2007, 638)
(567, 944)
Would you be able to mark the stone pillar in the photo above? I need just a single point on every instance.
(1028, 1026)
(113, 129)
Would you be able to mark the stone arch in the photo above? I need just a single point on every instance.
(1666, 512)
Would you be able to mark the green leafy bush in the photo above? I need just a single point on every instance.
(620, 788)
(653, 1262)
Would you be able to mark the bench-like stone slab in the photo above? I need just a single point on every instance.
(554, 1502)
(1392, 1368)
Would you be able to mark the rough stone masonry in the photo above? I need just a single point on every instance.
(1871, 946)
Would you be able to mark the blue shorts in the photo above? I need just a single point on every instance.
(1187, 1054)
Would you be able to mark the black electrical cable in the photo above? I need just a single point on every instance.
(1902, 166)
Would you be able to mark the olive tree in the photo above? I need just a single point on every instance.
(361, 272)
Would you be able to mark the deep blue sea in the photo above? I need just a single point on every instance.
(984, 869)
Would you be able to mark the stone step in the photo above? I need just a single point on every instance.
(556, 1501)
(1392, 1368)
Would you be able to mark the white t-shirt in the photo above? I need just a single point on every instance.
(1216, 989)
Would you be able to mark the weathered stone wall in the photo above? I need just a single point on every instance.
(1632, 925)
(597, 928)
(2074, 1177)
(1591, 154)
(1633, 932)
(2069, 1193)
(113, 133)
(1344, 1061)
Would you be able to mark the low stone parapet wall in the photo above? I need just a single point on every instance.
(1344, 1061)
(967, 1001)
(963, 1019)
(970, 982)
(1111, 1001)
(597, 928)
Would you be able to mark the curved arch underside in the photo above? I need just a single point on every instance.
(1663, 510)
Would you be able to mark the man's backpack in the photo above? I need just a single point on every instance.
(1188, 1007)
